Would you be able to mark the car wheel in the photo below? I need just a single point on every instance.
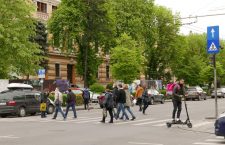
(22, 112)
(51, 109)
(3, 115)
(152, 101)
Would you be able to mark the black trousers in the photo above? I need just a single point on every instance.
(86, 104)
(177, 107)
(145, 106)
(110, 110)
(139, 102)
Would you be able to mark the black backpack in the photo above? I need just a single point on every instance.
(109, 102)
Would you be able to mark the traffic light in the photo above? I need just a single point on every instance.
(212, 60)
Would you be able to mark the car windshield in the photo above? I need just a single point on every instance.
(8, 95)
(154, 92)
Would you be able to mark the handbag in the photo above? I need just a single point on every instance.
(43, 107)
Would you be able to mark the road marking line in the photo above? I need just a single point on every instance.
(201, 124)
(93, 120)
(220, 137)
(159, 125)
(213, 140)
(9, 137)
(203, 143)
(151, 122)
(118, 123)
(142, 143)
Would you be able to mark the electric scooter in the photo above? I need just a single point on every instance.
(187, 122)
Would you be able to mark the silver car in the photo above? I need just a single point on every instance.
(220, 93)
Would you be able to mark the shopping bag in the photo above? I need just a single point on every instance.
(43, 107)
(134, 101)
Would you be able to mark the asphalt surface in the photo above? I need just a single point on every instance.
(147, 129)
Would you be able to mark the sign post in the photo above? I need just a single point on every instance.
(213, 47)
(41, 75)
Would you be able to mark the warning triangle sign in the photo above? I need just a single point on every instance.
(212, 47)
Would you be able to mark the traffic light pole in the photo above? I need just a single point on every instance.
(215, 86)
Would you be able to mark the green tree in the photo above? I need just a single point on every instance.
(162, 45)
(18, 54)
(126, 59)
(41, 39)
(86, 25)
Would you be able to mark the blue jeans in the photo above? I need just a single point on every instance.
(121, 108)
(73, 108)
(128, 109)
(58, 109)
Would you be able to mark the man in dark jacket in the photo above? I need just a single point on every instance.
(178, 93)
(121, 99)
(71, 99)
(108, 106)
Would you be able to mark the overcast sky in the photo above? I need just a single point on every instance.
(196, 8)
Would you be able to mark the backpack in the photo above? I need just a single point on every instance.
(86, 94)
(109, 101)
(169, 88)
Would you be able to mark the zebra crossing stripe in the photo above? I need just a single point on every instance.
(201, 124)
(152, 122)
(128, 122)
(203, 143)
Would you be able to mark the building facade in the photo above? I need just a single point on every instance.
(61, 66)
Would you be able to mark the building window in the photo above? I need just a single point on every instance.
(107, 72)
(57, 70)
(41, 7)
(54, 8)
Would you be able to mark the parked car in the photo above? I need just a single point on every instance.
(155, 96)
(94, 97)
(220, 93)
(196, 93)
(220, 125)
(22, 102)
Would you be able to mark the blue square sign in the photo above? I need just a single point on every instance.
(41, 73)
(213, 42)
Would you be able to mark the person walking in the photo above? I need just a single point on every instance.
(86, 97)
(108, 106)
(178, 93)
(71, 101)
(128, 103)
(58, 104)
(145, 98)
(121, 99)
(138, 96)
(43, 105)
(115, 93)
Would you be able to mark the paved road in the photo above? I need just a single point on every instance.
(147, 129)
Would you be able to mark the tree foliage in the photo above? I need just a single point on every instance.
(126, 59)
(86, 25)
(18, 54)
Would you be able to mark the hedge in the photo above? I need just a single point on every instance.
(97, 88)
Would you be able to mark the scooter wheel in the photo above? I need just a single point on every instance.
(168, 124)
(189, 125)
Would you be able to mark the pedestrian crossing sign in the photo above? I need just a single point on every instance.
(212, 47)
